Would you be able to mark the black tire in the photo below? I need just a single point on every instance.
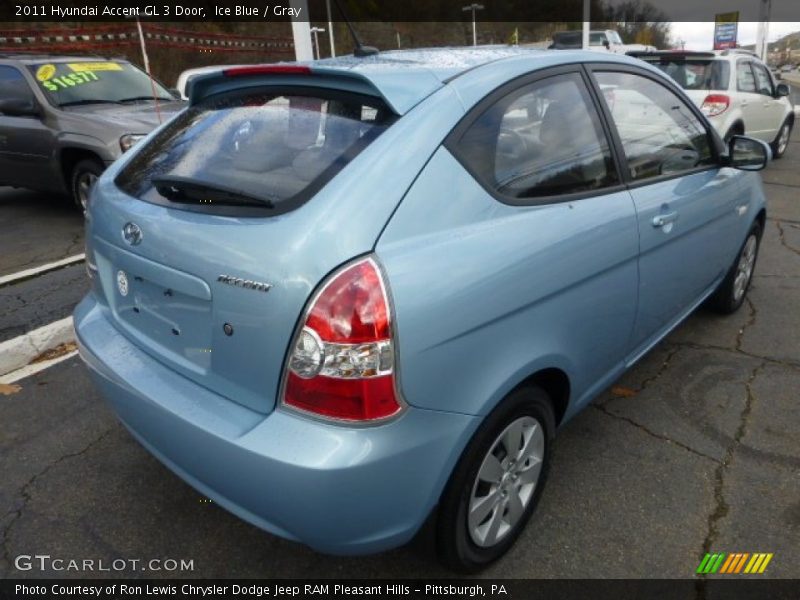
(455, 545)
(779, 145)
(725, 299)
(86, 170)
(736, 129)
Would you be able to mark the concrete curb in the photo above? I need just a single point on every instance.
(20, 351)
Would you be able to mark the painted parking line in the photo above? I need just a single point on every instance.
(34, 368)
(23, 350)
(33, 272)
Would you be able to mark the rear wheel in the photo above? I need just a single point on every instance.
(781, 142)
(84, 176)
(731, 293)
(736, 129)
(497, 483)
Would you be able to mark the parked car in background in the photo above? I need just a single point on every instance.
(606, 40)
(64, 119)
(338, 299)
(735, 90)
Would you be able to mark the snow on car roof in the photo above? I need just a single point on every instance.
(444, 63)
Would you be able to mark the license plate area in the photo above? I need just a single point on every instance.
(168, 318)
(165, 310)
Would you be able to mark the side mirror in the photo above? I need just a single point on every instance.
(19, 107)
(782, 90)
(607, 44)
(748, 154)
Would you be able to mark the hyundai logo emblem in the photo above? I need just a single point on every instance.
(132, 234)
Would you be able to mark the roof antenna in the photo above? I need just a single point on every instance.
(360, 50)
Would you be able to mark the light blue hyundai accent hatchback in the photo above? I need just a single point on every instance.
(349, 298)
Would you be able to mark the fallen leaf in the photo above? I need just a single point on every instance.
(623, 392)
(59, 350)
(8, 389)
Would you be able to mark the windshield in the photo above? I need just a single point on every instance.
(256, 150)
(696, 74)
(597, 39)
(87, 82)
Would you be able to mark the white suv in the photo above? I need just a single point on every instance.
(735, 90)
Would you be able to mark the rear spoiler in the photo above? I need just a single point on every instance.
(400, 93)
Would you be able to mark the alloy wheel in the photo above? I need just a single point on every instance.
(85, 182)
(783, 138)
(506, 480)
(744, 269)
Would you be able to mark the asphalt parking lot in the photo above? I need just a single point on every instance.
(695, 450)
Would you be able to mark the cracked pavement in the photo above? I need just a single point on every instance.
(37, 228)
(694, 450)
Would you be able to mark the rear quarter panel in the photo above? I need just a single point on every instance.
(486, 294)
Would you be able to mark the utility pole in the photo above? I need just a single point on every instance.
(587, 24)
(315, 31)
(330, 27)
(301, 31)
(473, 7)
(762, 45)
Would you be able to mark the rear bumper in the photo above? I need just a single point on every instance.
(339, 490)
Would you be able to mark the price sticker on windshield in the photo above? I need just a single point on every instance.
(54, 84)
(45, 72)
(95, 66)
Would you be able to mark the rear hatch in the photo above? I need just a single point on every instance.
(698, 73)
(209, 241)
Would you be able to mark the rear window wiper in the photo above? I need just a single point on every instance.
(88, 101)
(178, 188)
(141, 98)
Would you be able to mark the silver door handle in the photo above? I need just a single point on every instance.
(661, 220)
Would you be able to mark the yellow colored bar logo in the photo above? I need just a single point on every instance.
(95, 66)
(734, 563)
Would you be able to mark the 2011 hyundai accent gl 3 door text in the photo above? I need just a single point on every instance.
(340, 297)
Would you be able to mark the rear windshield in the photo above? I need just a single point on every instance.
(254, 152)
(696, 74)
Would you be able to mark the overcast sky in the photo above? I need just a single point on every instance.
(700, 36)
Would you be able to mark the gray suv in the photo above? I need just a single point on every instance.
(63, 119)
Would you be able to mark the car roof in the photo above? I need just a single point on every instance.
(405, 77)
(26, 58)
(402, 77)
(695, 54)
(444, 63)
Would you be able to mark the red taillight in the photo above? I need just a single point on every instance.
(715, 104)
(266, 70)
(342, 362)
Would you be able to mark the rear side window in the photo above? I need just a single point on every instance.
(543, 139)
(763, 81)
(254, 153)
(745, 81)
(13, 85)
(696, 74)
